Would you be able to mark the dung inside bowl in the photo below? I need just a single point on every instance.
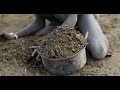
(67, 65)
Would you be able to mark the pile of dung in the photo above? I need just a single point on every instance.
(63, 42)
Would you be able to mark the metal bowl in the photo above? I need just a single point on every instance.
(65, 66)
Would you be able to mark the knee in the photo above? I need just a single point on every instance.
(99, 53)
(99, 50)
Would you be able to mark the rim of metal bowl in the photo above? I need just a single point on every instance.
(65, 58)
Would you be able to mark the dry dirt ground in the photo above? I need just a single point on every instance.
(14, 63)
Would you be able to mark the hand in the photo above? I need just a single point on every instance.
(7, 36)
(36, 52)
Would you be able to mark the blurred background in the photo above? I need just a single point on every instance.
(109, 66)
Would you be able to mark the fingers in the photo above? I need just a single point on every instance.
(34, 52)
(34, 47)
(38, 57)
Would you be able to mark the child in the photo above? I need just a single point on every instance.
(87, 23)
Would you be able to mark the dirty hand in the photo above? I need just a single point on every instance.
(7, 36)
(36, 52)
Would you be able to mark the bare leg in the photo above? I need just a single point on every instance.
(61, 17)
(47, 29)
(57, 20)
(96, 16)
(67, 19)
(97, 42)
(54, 23)
(38, 24)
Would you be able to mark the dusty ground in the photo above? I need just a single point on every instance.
(16, 66)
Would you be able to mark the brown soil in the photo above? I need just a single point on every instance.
(63, 42)
(15, 59)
